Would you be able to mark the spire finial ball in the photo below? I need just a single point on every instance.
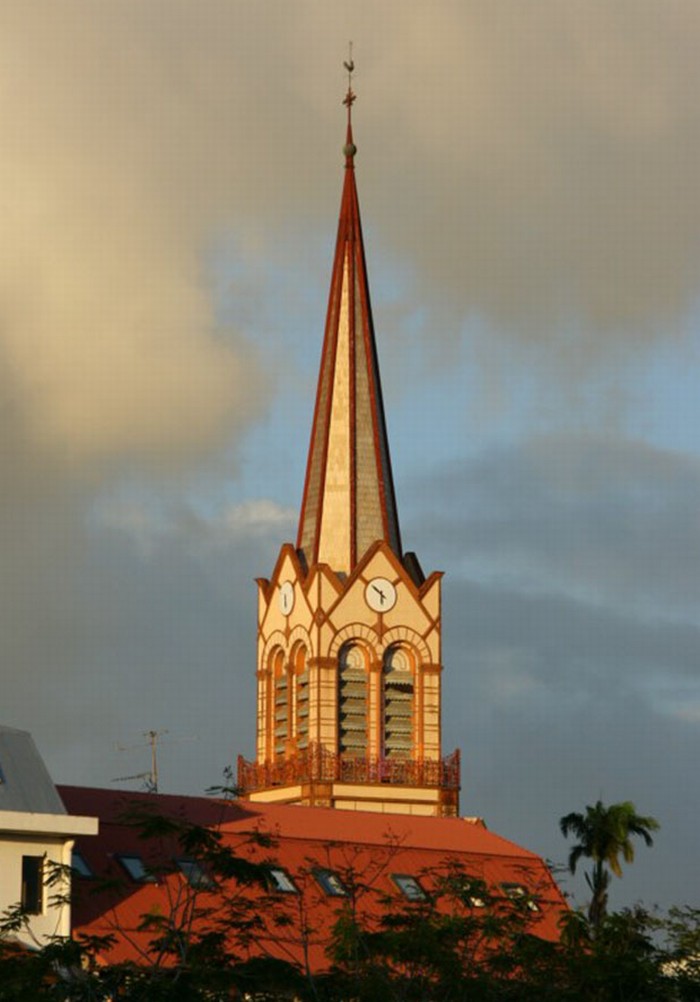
(349, 150)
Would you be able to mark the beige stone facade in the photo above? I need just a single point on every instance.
(349, 696)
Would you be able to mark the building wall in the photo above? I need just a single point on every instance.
(55, 918)
(328, 612)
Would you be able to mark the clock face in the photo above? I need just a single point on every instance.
(286, 597)
(380, 595)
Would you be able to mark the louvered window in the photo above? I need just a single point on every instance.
(280, 707)
(352, 701)
(301, 678)
(398, 703)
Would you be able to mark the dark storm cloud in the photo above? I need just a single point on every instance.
(141, 622)
(608, 520)
(572, 644)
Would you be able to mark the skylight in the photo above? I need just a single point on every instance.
(80, 866)
(136, 868)
(195, 874)
(281, 881)
(409, 887)
(517, 892)
(331, 883)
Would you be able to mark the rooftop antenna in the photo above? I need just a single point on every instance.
(151, 777)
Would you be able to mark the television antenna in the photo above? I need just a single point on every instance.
(150, 776)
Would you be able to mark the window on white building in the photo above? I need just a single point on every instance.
(33, 885)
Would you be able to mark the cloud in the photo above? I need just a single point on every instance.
(557, 145)
(111, 347)
(555, 704)
(534, 166)
(142, 619)
(150, 524)
(609, 521)
(571, 639)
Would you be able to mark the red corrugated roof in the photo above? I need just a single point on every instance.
(362, 846)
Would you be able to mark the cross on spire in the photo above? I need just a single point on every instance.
(349, 65)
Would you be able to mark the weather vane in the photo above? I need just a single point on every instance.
(349, 66)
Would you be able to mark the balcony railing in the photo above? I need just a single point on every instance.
(317, 764)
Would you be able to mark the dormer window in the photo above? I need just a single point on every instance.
(331, 883)
(195, 874)
(517, 892)
(136, 868)
(409, 887)
(281, 881)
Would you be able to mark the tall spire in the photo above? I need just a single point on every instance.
(349, 500)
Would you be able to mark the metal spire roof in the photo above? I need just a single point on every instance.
(349, 500)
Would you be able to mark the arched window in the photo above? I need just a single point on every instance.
(352, 700)
(301, 701)
(281, 703)
(397, 712)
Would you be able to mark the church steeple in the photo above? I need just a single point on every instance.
(349, 629)
(349, 500)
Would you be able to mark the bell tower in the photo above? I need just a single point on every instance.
(349, 634)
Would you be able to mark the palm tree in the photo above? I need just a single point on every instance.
(604, 834)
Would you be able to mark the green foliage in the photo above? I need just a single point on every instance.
(462, 943)
(604, 834)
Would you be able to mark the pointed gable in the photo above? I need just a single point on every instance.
(349, 500)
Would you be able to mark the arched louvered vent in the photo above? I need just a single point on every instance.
(352, 700)
(398, 672)
(281, 704)
(301, 682)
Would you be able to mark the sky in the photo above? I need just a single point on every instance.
(527, 174)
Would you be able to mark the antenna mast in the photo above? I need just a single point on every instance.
(152, 776)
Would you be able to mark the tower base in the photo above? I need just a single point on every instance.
(319, 778)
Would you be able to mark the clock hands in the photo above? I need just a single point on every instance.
(382, 596)
(286, 597)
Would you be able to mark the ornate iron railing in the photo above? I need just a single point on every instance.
(317, 764)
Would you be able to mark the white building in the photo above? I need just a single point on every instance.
(36, 841)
